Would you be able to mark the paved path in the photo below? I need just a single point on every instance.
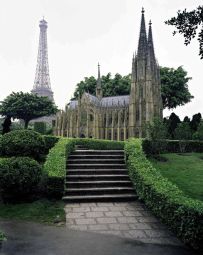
(37, 239)
(131, 220)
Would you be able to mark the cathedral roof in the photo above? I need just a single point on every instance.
(73, 104)
(116, 101)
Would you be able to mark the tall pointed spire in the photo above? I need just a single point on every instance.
(142, 44)
(98, 77)
(150, 43)
(99, 93)
(42, 85)
(133, 68)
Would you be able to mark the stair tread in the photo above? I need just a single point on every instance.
(106, 181)
(99, 188)
(103, 195)
(102, 169)
(100, 175)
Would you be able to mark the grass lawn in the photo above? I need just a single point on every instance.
(43, 211)
(186, 171)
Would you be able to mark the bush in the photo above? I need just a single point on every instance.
(19, 177)
(97, 144)
(50, 141)
(183, 215)
(55, 166)
(23, 143)
(172, 146)
(40, 127)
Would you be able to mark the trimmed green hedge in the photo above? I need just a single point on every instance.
(98, 144)
(183, 215)
(55, 166)
(170, 146)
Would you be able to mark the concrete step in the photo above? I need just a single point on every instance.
(97, 191)
(95, 177)
(95, 156)
(96, 166)
(98, 183)
(100, 198)
(98, 152)
(95, 161)
(96, 171)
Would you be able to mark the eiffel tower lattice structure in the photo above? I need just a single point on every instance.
(42, 85)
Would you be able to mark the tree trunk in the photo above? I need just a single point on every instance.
(26, 124)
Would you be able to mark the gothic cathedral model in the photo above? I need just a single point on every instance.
(118, 117)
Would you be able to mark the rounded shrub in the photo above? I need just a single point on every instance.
(19, 177)
(23, 143)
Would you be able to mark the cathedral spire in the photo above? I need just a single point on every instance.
(150, 43)
(142, 44)
(99, 93)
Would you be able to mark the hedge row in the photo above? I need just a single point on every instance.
(55, 166)
(98, 144)
(170, 146)
(183, 215)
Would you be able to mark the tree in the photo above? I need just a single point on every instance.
(183, 131)
(157, 131)
(188, 23)
(186, 119)
(6, 125)
(26, 106)
(174, 87)
(119, 85)
(196, 119)
(174, 120)
(173, 81)
(198, 135)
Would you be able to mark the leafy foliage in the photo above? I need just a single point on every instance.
(23, 143)
(40, 127)
(183, 131)
(19, 177)
(156, 131)
(196, 119)
(174, 87)
(172, 146)
(198, 135)
(187, 24)
(119, 85)
(26, 106)
(183, 215)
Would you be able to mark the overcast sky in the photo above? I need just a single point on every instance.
(82, 33)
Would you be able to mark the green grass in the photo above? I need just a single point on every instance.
(2, 236)
(186, 171)
(42, 211)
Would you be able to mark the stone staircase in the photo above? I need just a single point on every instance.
(97, 176)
